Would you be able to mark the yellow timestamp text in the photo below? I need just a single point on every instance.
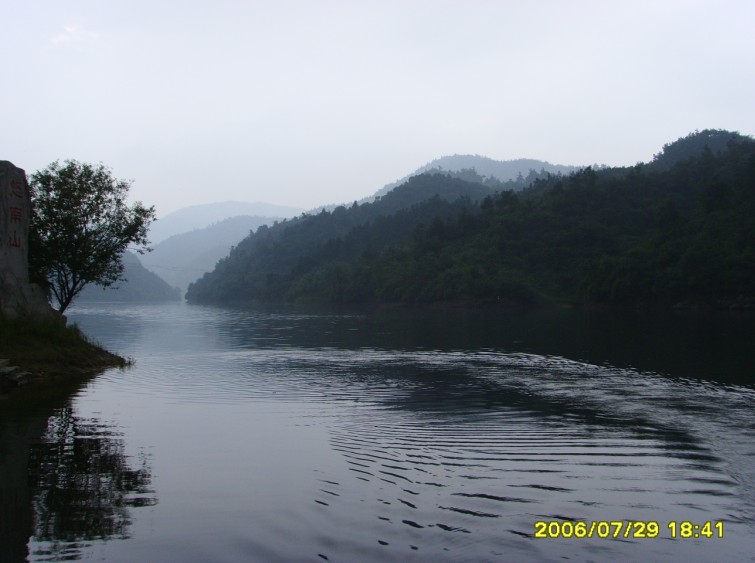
(626, 529)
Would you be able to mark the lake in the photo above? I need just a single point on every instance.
(293, 434)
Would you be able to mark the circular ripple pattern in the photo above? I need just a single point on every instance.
(452, 455)
(446, 454)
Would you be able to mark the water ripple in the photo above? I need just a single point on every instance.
(439, 454)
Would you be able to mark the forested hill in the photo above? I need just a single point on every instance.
(680, 232)
(497, 174)
(264, 265)
(182, 258)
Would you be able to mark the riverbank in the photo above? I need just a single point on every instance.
(46, 351)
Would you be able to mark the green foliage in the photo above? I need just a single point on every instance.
(623, 235)
(702, 245)
(80, 227)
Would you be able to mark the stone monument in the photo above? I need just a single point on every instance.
(18, 297)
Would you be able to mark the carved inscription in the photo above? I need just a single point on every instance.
(15, 214)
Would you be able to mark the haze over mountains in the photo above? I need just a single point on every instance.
(199, 236)
(675, 231)
(502, 170)
(189, 242)
(200, 216)
(184, 257)
(140, 286)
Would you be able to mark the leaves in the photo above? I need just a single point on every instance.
(80, 227)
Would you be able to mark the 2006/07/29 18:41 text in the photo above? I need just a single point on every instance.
(639, 529)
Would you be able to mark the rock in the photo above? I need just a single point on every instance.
(17, 296)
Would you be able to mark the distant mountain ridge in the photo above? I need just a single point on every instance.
(139, 286)
(714, 141)
(502, 170)
(182, 258)
(200, 216)
(675, 232)
(189, 242)
(252, 267)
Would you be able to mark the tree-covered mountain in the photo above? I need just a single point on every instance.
(182, 258)
(140, 286)
(518, 173)
(642, 234)
(258, 267)
(713, 140)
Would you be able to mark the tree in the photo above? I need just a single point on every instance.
(80, 228)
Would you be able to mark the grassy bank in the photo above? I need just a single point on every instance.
(47, 349)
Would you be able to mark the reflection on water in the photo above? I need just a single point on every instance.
(82, 485)
(67, 480)
(282, 435)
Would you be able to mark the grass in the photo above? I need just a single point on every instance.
(46, 347)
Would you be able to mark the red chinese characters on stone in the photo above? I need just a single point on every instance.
(16, 188)
(14, 241)
(15, 214)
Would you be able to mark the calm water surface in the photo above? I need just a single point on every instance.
(403, 435)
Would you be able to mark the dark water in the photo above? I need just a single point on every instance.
(400, 435)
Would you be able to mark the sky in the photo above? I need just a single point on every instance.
(306, 103)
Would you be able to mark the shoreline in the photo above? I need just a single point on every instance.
(737, 304)
(40, 352)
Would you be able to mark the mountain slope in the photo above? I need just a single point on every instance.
(501, 170)
(250, 271)
(693, 145)
(620, 235)
(201, 216)
(181, 259)
(140, 286)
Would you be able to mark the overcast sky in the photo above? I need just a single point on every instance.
(314, 102)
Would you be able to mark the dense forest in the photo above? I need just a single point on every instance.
(677, 230)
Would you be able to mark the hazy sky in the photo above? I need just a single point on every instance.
(314, 102)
